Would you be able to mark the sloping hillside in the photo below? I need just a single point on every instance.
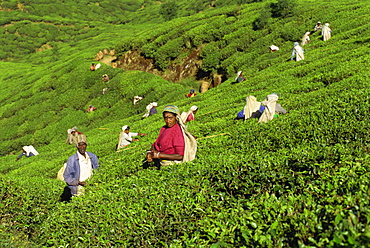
(300, 180)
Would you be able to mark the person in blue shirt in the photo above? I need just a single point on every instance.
(79, 168)
(257, 114)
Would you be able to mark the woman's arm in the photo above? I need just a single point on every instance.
(159, 155)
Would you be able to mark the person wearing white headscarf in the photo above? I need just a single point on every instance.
(125, 137)
(189, 115)
(298, 52)
(105, 78)
(137, 98)
(274, 48)
(74, 136)
(272, 108)
(317, 27)
(151, 109)
(71, 133)
(239, 77)
(305, 38)
(269, 111)
(326, 32)
(250, 110)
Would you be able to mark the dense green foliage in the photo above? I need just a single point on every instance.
(300, 180)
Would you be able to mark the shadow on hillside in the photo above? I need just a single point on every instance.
(66, 196)
(156, 163)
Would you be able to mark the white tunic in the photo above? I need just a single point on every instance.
(85, 167)
(127, 138)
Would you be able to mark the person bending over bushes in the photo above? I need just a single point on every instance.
(74, 136)
(125, 137)
(297, 52)
(27, 151)
(151, 109)
(189, 115)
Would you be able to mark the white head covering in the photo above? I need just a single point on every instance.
(193, 108)
(307, 32)
(124, 127)
(29, 149)
(327, 24)
(296, 44)
(69, 130)
(273, 47)
(184, 115)
(154, 104)
(238, 74)
(272, 96)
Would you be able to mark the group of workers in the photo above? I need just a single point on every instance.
(298, 52)
(264, 111)
(174, 144)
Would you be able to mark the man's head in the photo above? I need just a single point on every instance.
(81, 147)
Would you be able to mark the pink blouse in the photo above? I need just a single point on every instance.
(170, 140)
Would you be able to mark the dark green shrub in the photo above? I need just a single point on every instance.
(168, 10)
(4, 21)
(11, 29)
(149, 50)
(211, 56)
(168, 52)
(262, 20)
(11, 4)
(283, 8)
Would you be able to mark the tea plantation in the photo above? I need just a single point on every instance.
(300, 180)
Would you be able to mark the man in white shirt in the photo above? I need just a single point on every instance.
(79, 168)
(125, 137)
